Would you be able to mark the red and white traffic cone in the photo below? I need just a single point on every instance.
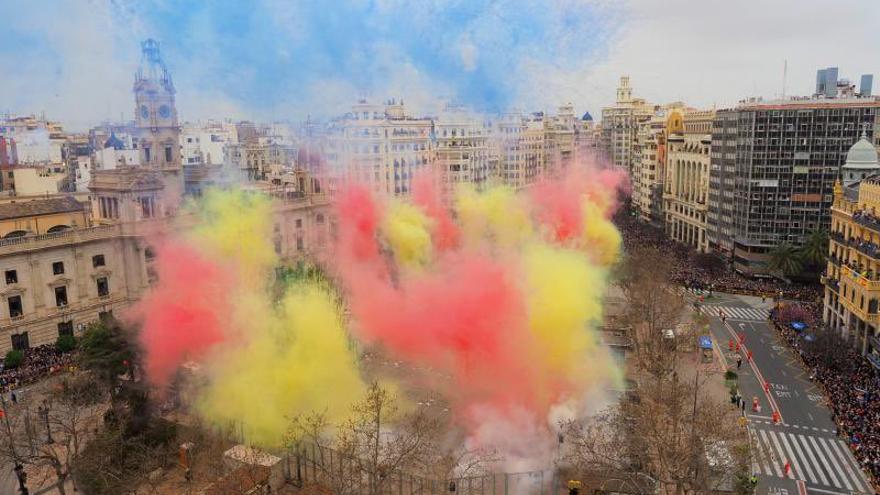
(775, 417)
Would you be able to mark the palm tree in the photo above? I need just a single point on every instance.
(786, 258)
(815, 249)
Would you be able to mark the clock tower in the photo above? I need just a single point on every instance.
(156, 130)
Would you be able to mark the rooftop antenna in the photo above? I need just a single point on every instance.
(784, 77)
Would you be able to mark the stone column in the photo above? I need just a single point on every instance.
(37, 286)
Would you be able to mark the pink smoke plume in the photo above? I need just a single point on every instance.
(466, 313)
(425, 194)
(558, 204)
(184, 315)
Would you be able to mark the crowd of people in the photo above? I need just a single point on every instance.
(689, 268)
(39, 362)
(851, 384)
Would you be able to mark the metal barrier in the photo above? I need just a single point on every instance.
(311, 464)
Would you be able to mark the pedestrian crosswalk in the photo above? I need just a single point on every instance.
(818, 460)
(736, 313)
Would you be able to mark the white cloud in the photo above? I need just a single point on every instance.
(84, 84)
(716, 52)
(467, 53)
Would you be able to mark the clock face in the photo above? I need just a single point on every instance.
(145, 112)
(164, 111)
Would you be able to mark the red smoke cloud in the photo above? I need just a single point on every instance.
(186, 314)
(445, 233)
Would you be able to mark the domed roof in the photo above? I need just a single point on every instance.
(862, 155)
(587, 116)
(114, 142)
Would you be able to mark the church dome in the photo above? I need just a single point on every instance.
(862, 155)
(114, 142)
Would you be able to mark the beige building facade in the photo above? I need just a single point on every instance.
(521, 149)
(463, 151)
(649, 168)
(852, 274)
(620, 124)
(686, 188)
(58, 282)
(381, 146)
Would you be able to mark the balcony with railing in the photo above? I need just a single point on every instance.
(866, 279)
(866, 219)
(831, 282)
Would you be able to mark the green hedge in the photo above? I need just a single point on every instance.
(13, 359)
(66, 343)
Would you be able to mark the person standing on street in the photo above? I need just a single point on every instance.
(739, 361)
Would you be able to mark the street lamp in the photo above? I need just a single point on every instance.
(22, 479)
(43, 411)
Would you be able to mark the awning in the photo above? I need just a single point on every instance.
(798, 325)
(705, 342)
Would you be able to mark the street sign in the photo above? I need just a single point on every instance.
(705, 342)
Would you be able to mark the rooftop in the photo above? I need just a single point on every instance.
(807, 102)
(127, 179)
(39, 207)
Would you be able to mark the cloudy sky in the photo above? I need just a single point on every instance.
(284, 59)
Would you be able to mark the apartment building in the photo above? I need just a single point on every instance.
(649, 167)
(381, 146)
(686, 187)
(462, 149)
(521, 148)
(620, 124)
(852, 275)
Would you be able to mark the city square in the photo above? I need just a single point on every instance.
(486, 247)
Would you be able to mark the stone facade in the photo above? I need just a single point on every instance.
(686, 188)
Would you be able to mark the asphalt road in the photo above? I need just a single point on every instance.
(805, 437)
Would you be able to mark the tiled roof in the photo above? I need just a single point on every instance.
(39, 207)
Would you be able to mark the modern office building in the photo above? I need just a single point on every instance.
(788, 155)
(722, 174)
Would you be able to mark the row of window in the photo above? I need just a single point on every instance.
(57, 268)
(16, 308)
(21, 341)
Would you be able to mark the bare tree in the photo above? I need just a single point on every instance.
(47, 439)
(672, 433)
(653, 310)
(370, 450)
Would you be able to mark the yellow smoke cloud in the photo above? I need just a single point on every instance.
(298, 360)
(564, 296)
(237, 225)
(408, 231)
(600, 235)
(496, 211)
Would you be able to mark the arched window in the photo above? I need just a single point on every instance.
(15, 233)
(58, 228)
